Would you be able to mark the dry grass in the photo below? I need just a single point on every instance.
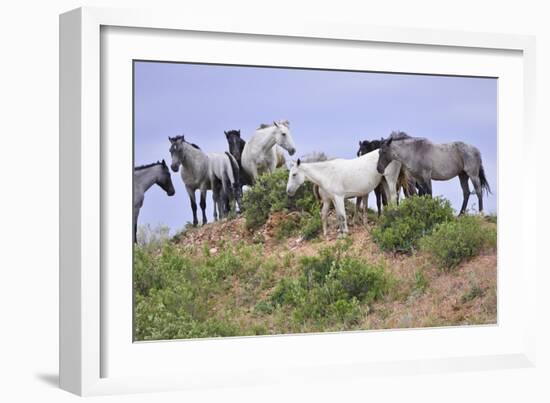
(422, 296)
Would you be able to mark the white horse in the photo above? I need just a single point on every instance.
(260, 154)
(340, 179)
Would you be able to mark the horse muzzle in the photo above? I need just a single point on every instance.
(175, 168)
(292, 151)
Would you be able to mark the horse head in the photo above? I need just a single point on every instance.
(364, 147)
(165, 181)
(176, 152)
(295, 178)
(385, 155)
(283, 137)
(236, 144)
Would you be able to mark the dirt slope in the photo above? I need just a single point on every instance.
(423, 296)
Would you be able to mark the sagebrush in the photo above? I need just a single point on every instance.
(454, 241)
(334, 289)
(268, 195)
(401, 226)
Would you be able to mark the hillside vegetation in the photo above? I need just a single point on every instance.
(270, 271)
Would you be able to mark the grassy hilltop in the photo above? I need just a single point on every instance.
(271, 272)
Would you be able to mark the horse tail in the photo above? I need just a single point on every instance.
(236, 183)
(234, 168)
(483, 179)
(402, 180)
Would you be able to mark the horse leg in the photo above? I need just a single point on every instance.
(364, 208)
(324, 216)
(477, 186)
(203, 204)
(465, 191)
(426, 185)
(429, 186)
(340, 207)
(358, 202)
(191, 193)
(215, 197)
(225, 198)
(378, 193)
(238, 192)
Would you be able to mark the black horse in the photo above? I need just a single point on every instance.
(236, 146)
(365, 147)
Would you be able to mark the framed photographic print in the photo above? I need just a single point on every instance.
(216, 225)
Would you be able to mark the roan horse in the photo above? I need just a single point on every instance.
(236, 145)
(340, 179)
(206, 171)
(146, 176)
(426, 161)
(259, 154)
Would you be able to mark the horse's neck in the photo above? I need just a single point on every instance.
(147, 178)
(265, 139)
(194, 159)
(405, 157)
(315, 172)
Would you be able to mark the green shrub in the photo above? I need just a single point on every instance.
(452, 242)
(401, 226)
(269, 195)
(311, 226)
(331, 288)
(175, 289)
(287, 227)
(474, 292)
(420, 282)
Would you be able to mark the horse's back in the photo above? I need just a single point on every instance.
(352, 177)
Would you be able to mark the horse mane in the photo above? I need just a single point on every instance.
(399, 135)
(140, 167)
(235, 132)
(266, 125)
(182, 138)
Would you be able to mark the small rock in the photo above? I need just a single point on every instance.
(213, 251)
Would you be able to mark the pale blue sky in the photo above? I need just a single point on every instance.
(328, 111)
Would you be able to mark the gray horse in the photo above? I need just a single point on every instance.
(205, 171)
(146, 176)
(426, 161)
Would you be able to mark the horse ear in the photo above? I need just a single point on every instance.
(163, 162)
(276, 124)
(226, 134)
(239, 133)
(298, 162)
(389, 141)
(171, 139)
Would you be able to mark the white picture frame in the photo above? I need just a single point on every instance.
(85, 343)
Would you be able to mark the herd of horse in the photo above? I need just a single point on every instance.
(385, 166)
